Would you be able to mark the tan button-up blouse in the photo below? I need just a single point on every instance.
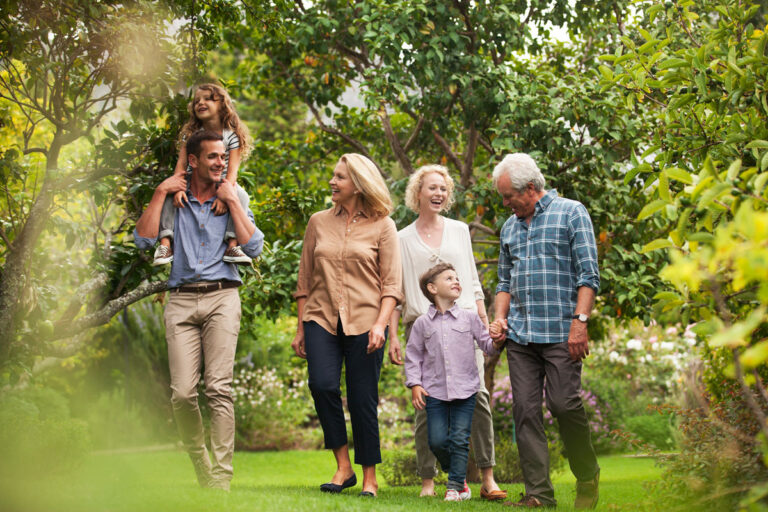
(345, 271)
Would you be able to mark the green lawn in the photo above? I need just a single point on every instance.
(271, 481)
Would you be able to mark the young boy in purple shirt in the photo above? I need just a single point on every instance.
(440, 369)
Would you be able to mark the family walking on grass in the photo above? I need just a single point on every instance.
(357, 278)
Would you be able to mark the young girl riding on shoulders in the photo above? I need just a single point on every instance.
(212, 110)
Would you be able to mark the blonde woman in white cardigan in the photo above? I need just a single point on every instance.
(429, 240)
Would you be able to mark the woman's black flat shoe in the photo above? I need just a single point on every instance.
(336, 488)
(367, 494)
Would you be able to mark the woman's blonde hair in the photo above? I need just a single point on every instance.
(367, 179)
(229, 118)
(416, 181)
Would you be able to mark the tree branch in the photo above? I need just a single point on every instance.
(394, 142)
(103, 315)
(450, 155)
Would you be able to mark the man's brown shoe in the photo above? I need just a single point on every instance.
(587, 493)
(496, 495)
(526, 501)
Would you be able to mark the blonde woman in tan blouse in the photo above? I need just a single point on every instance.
(348, 285)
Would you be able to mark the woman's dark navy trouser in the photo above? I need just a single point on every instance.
(325, 354)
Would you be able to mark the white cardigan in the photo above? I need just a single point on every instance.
(455, 248)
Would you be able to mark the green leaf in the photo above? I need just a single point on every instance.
(659, 243)
(739, 333)
(674, 62)
(666, 296)
(680, 175)
(701, 237)
(760, 182)
(762, 144)
(733, 170)
(651, 208)
(664, 186)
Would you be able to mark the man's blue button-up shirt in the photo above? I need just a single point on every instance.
(543, 264)
(199, 245)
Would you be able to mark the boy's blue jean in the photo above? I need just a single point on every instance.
(449, 424)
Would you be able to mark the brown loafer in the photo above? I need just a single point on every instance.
(496, 495)
(526, 501)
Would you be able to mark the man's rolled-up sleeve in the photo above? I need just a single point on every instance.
(254, 246)
(584, 249)
(143, 242)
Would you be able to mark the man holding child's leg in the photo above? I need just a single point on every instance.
(202, 317)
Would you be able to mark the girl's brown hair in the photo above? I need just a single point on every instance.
(227, 114)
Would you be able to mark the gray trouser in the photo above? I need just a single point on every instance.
(168, 215)
(481, 437)
(548, 368)
(201, 330)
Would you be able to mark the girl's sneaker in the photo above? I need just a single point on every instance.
(452, 495)
(163, 256)
(466, 492)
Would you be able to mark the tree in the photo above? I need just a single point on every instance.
(699, 68)
(65, 67)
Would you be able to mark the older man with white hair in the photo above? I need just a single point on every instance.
(548, 278)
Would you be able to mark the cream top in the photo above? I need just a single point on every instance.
(455, 248)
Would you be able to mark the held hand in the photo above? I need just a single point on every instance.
(173, 185)
(298, 345)
(376, 338)
(498, 330)
(395, 352)
(219, 207)
(179, 198)
(578, 340)
(417, 397)
(225, 193)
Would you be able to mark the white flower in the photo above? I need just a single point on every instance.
(613, 356)
(667, 345)
(634, 344)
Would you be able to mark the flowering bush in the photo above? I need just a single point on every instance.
(274, 411)
(636, 367)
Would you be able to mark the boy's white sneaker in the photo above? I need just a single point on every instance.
(466, 492)
(452, 495)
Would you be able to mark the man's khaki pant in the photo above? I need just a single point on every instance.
(202, 328)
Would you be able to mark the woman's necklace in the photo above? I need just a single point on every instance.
(427, 231)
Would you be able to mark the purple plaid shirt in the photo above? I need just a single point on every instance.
(440, 354)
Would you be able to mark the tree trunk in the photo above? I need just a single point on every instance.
(14, 274)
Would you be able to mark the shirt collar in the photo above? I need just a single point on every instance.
(432, 311)
(542, 203)
(546, 200)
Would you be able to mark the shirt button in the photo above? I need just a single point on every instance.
(341, 308)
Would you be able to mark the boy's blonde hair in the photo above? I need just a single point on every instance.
(416, 181)
(429, 277)
(367, 179)
(229, 118)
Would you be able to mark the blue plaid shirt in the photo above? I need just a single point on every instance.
(542, 266)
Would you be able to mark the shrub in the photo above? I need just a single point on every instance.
(653, 429)
(37, 436)
(399, 468)
(273, 412)
(508, 469)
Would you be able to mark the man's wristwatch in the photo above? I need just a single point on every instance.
(581, 318)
